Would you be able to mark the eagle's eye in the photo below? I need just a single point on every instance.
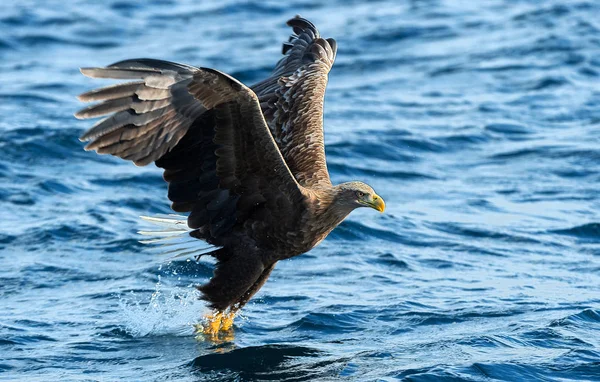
(360, 194)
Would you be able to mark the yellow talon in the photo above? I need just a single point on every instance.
(227, 321)
(213, 324)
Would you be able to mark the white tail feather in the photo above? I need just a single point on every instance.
(171, 220)
(175, 236)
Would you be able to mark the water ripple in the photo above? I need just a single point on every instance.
(478, 122)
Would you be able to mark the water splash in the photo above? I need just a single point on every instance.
(171, 311)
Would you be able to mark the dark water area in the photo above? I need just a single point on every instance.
(477, 121)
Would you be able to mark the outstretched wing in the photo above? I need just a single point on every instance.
(207, 131)
(148, 116)
(292, 101)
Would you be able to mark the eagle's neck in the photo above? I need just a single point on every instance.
(328, 211)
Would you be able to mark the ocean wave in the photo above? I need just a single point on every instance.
(476, 121)
(586, 231)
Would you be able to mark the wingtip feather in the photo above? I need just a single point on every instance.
(88, 72)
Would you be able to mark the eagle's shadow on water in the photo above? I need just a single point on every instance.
(267, 362)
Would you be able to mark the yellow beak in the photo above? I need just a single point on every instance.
(377, 203)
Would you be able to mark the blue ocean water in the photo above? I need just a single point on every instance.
(477, 121)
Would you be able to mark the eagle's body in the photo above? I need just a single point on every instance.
(247, 164)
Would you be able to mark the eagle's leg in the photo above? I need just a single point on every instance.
(221, 319)
(213, 323)
(227, 320)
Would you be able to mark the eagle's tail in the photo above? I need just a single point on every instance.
(174, 237)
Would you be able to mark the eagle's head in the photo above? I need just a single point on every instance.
(358, 194)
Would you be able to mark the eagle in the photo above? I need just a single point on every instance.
(247, 164)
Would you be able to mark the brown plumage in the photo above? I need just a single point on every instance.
(247, 164)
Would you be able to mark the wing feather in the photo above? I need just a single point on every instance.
(111, 92)
(292, 101)
(207, 130)
(154, 112)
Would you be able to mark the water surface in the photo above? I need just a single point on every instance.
(478, 122)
